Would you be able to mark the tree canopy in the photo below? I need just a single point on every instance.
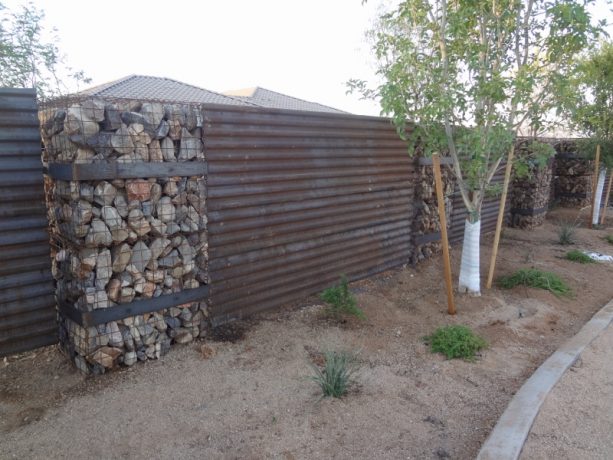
(591, 108)
(29, 57)
(463, 76)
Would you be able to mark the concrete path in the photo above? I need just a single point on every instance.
(571, 409)
(576, 420)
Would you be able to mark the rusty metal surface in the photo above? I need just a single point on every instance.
(297, 199)
(27, 312)
(489, 211)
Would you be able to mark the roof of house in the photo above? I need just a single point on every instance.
(263, 97)
(145, 87)
(158, 88)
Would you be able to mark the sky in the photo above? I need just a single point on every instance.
(307, 49)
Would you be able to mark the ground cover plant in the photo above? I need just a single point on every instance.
(578, 256)
(337, 374)
(609, 239)
(341, 301)
(456, 341)
(532, 277)
(566, 233)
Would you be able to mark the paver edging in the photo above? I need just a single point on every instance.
(507, 439)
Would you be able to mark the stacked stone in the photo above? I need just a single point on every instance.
(531, 195)
(572, 176)
(426, 221)
(124, 240)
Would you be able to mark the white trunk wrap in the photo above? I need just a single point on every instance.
(469, 268)
(599, 188)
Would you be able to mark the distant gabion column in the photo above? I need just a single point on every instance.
(573, 176)
(530, 194)
(126, 195)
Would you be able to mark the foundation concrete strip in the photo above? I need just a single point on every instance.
(509, 435)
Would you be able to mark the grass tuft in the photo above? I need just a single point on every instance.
(578, 256)
(609, 239)
(566, 233)
(532, 277)
(337, 374)
(456, 342)
(341, 301)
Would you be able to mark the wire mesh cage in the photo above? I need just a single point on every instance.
(127, 224)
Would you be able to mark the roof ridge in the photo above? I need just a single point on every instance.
(203, 89)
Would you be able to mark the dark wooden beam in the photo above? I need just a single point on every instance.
(138, 307)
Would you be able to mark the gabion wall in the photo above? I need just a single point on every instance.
(572, 176)
(531, 194)
(426, 220)
(126, 239)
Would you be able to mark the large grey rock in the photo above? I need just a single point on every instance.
(168, 149)
(121, 205)
(104, 193)
(141, 255)
(162, 130)
(111, 217)
(130, 358)
(153, 112)
(133, 117)
(155, 152)
(122, 141)
(112, 120)
(93, 109)
(104, 269)
(98, 235)
(171, 260)
(78, 122)
(121, 257)
(115, 337)
(165, 209)
(157, 246)
(191, 146)
(138, 223)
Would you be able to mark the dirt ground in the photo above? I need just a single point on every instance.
(575, 420)
(252, 398)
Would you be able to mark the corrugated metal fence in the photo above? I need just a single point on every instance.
(27, 312)
(295, 199)
(489, 210)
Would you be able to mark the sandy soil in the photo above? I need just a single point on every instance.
(252, 398)
(576, 419)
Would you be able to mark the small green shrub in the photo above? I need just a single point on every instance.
(578, 256)
(337, 374)
(456, 342)
(609, 239)
(532, 277)
(341, 301)
(566, 233)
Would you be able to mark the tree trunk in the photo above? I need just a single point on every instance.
(597, 198)
(470, 279)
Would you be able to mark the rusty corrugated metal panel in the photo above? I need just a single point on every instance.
(27, 312)
(489, 211)
(297, 199)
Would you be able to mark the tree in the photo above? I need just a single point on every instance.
(27, 60)
(591, 110)
(469, 74)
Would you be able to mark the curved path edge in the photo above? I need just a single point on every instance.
(507, 439)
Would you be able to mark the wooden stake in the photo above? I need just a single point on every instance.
(594, 184)
(436, 163)
(606, 199)
(503, 202)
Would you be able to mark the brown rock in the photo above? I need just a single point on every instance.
(138, 189)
